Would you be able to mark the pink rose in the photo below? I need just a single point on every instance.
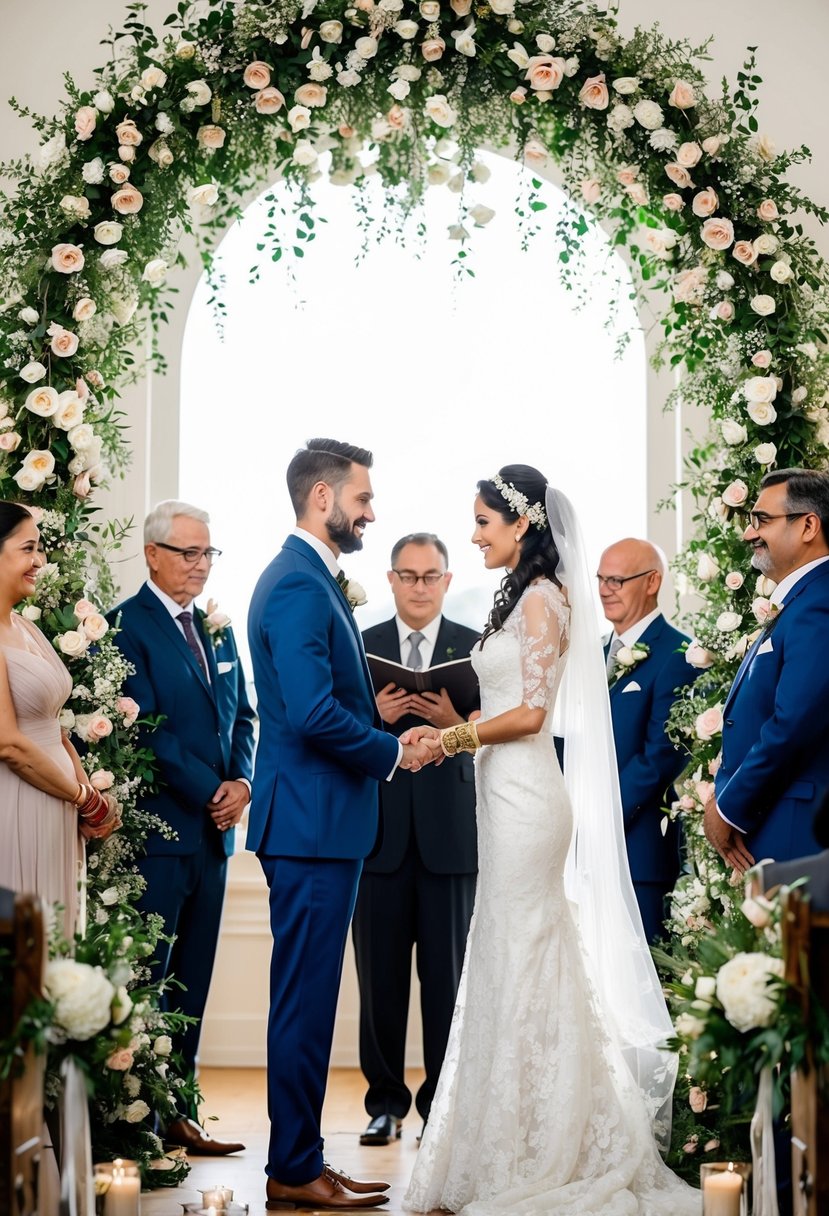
(712, 145)
(85, 121)
(128, 708)
(724, 311)
(535, 153)
(709, 723)
(627, 175)
(698, 656)
(67, 259)
(689, 284)
(83, 609)
(311, 94)
(127, 200)
(638, 194)
(345, 131)
(697, 1099)
(761, 607)
(761, 358)
(64, 343)
(9, 441)
(95, 379)
(717, 233)
(745, 253)
(689, 154)
(734, 580)
(99, 727)
(268, 101)
(396, 118)
(121, 1060)
(95, 626)
(518, 96)
(704, 791)
(705, 203)
(257, 75)
(682, 96)
(82, 485)
(591, 190)
(710, 1145)
(686, 803)
(594, 94)
(102, 779)
(127, 133)
(714, 766)
(767, 211)
(673, 202)
(679, 175)
(119, 173)
(210, 136)
(735, 494)
(432, 49)
(546, 72)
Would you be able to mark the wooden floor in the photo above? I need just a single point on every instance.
(237, 1097)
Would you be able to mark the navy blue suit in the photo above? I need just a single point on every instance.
(775, 759)
(322, 752)
(206, 738)
(649, 763)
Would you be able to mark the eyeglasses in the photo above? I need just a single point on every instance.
(615, 583)
(191, 556)
(759, 519)
(409, 579)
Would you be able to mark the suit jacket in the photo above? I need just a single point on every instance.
(322, 749)
(648, 761)
(206, 735)
(775, 759)
(437, 805)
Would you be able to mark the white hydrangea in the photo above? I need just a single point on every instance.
(743, 989)
(82, 996)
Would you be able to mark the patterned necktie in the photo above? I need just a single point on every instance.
(186, 619)
(415, 659)
(615, 647)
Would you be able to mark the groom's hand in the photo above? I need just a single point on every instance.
(728, 842)
(421, 746)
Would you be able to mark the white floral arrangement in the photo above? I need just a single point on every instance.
(216, 623)
(353, 591)
(627, 658)
(519, 503)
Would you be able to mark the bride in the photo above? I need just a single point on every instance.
(554, 1090)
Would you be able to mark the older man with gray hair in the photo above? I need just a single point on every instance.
(188, 673)
(645, 665)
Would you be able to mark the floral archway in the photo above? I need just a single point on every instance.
(184, 120)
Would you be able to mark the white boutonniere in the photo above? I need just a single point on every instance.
(216, 623)
(355, 594)
(626, 658)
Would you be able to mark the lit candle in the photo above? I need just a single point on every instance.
(124, 1195)
(722, 1193)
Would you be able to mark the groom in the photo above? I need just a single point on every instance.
(314, 814)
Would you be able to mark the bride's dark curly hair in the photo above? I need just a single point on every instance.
(539, 555)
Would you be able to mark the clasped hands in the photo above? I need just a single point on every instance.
(421, 746)
(729, 843)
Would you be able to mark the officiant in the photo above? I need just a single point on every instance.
(418, 888)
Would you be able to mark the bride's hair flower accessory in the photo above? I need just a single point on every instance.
(518, 501)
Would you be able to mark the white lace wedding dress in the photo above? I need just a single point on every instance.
(534, 1111)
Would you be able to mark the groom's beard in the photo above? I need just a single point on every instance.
(341, 531)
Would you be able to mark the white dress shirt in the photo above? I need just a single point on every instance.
(427, 645)
(634, 633)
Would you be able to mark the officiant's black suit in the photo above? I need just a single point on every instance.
(417, 890)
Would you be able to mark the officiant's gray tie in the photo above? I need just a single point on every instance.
(192, 641)
(415, 659)
(615, 647)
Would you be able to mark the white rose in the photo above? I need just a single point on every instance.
(121, 1007)
(809, 349)
(331, 31)
(155, 272)
(464, 42)
(72, 643)
(163, 1045)
(153, 78)
(32, 613)
(366, 47)
(34, 371)
(69, 412)
(205, 195)
(724, 280)
(799, 395)
(43, 401)
(727, 622)
(743, 989)
(304, 153)
(29, 316)
(545, 43)
(200, 92)
(689, 1026)
(762, 412)
(104, 101)
(136, 1111)
(112, 258)
(625, 85)
(438, 109)
(765, 453)
(781, 272)
(108, 232)
(763, 305)
(407, 71)
(82, 437)
(707, 567)
(697, 656)
(760, 388)
(95, 626)
(766, 244)
(82, 996)
(648, 114)
(299, 117)
(408, 30)
(518, 56)
(185, 51)
(705, 988)
(481, 214)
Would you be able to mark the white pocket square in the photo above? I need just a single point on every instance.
(766, 648)
(223, 668)
(632, 687)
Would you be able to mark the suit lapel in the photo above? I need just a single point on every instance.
(164, 622)
(388, 641)
(208, 647)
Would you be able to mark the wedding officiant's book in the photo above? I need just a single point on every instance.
(457, 677)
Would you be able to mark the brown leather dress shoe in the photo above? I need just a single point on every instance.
(352, 1184)
(187, 1134)
(323, 1193)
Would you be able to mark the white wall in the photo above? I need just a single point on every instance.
(42, 40)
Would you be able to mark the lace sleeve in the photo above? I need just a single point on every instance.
(542, 625)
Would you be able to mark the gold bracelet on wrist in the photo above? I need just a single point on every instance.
(460, 738)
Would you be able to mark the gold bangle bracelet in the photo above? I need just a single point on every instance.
(460, 738)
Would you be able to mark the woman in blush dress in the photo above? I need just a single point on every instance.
(47, 806)
(554, 1088)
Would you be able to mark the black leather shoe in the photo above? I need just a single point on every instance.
(382, 1130)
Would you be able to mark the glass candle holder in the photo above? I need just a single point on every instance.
(724, 1187)
(218, 1197)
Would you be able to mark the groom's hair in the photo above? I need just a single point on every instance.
(325, 460)
(806, 490)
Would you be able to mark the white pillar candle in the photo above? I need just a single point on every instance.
(721, 1194)
(124, 1195)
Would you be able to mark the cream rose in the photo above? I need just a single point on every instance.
(155, 272)
(594, 94)
(697, 656)
(75, 205)
(304, 153)
(257, 75)
(135, 1112)
(118, 173)
(625, 85)
(766, 243)
(705, 203)
(762, 412)
(734, 580)
(95, 626)
(299, 118)
(210, 136)
(717, 233)
(736, 494)
(760, 388)
(409, 29)
(745, 253)
(366, 47)
(673, 202)
(331, 31)
(85, 308)
(712, 144)
(438, 109)
(67, 259)
(724, 280)
(765, 453)
(82, 996)
(127, 200)
(781, 272)
(69, 412)
(733, 432)
(127, 133)
(153, 78)
(689, 154)
(679, 175)
(73, 643)
(108, 232)
(205, 195)
(9, 441)
(707, 568)
(727, 622)
(432, 49)
(268, 101)
(545, 72)
(311, 94)
(200, 92)
(682, 95)
(763, 305)
(102, 779)
(43, 401)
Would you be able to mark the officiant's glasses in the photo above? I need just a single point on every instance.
(409, 579)
(615, 582)
(191, 556)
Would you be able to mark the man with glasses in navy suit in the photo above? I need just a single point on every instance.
(204, 751)
(641, 694)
